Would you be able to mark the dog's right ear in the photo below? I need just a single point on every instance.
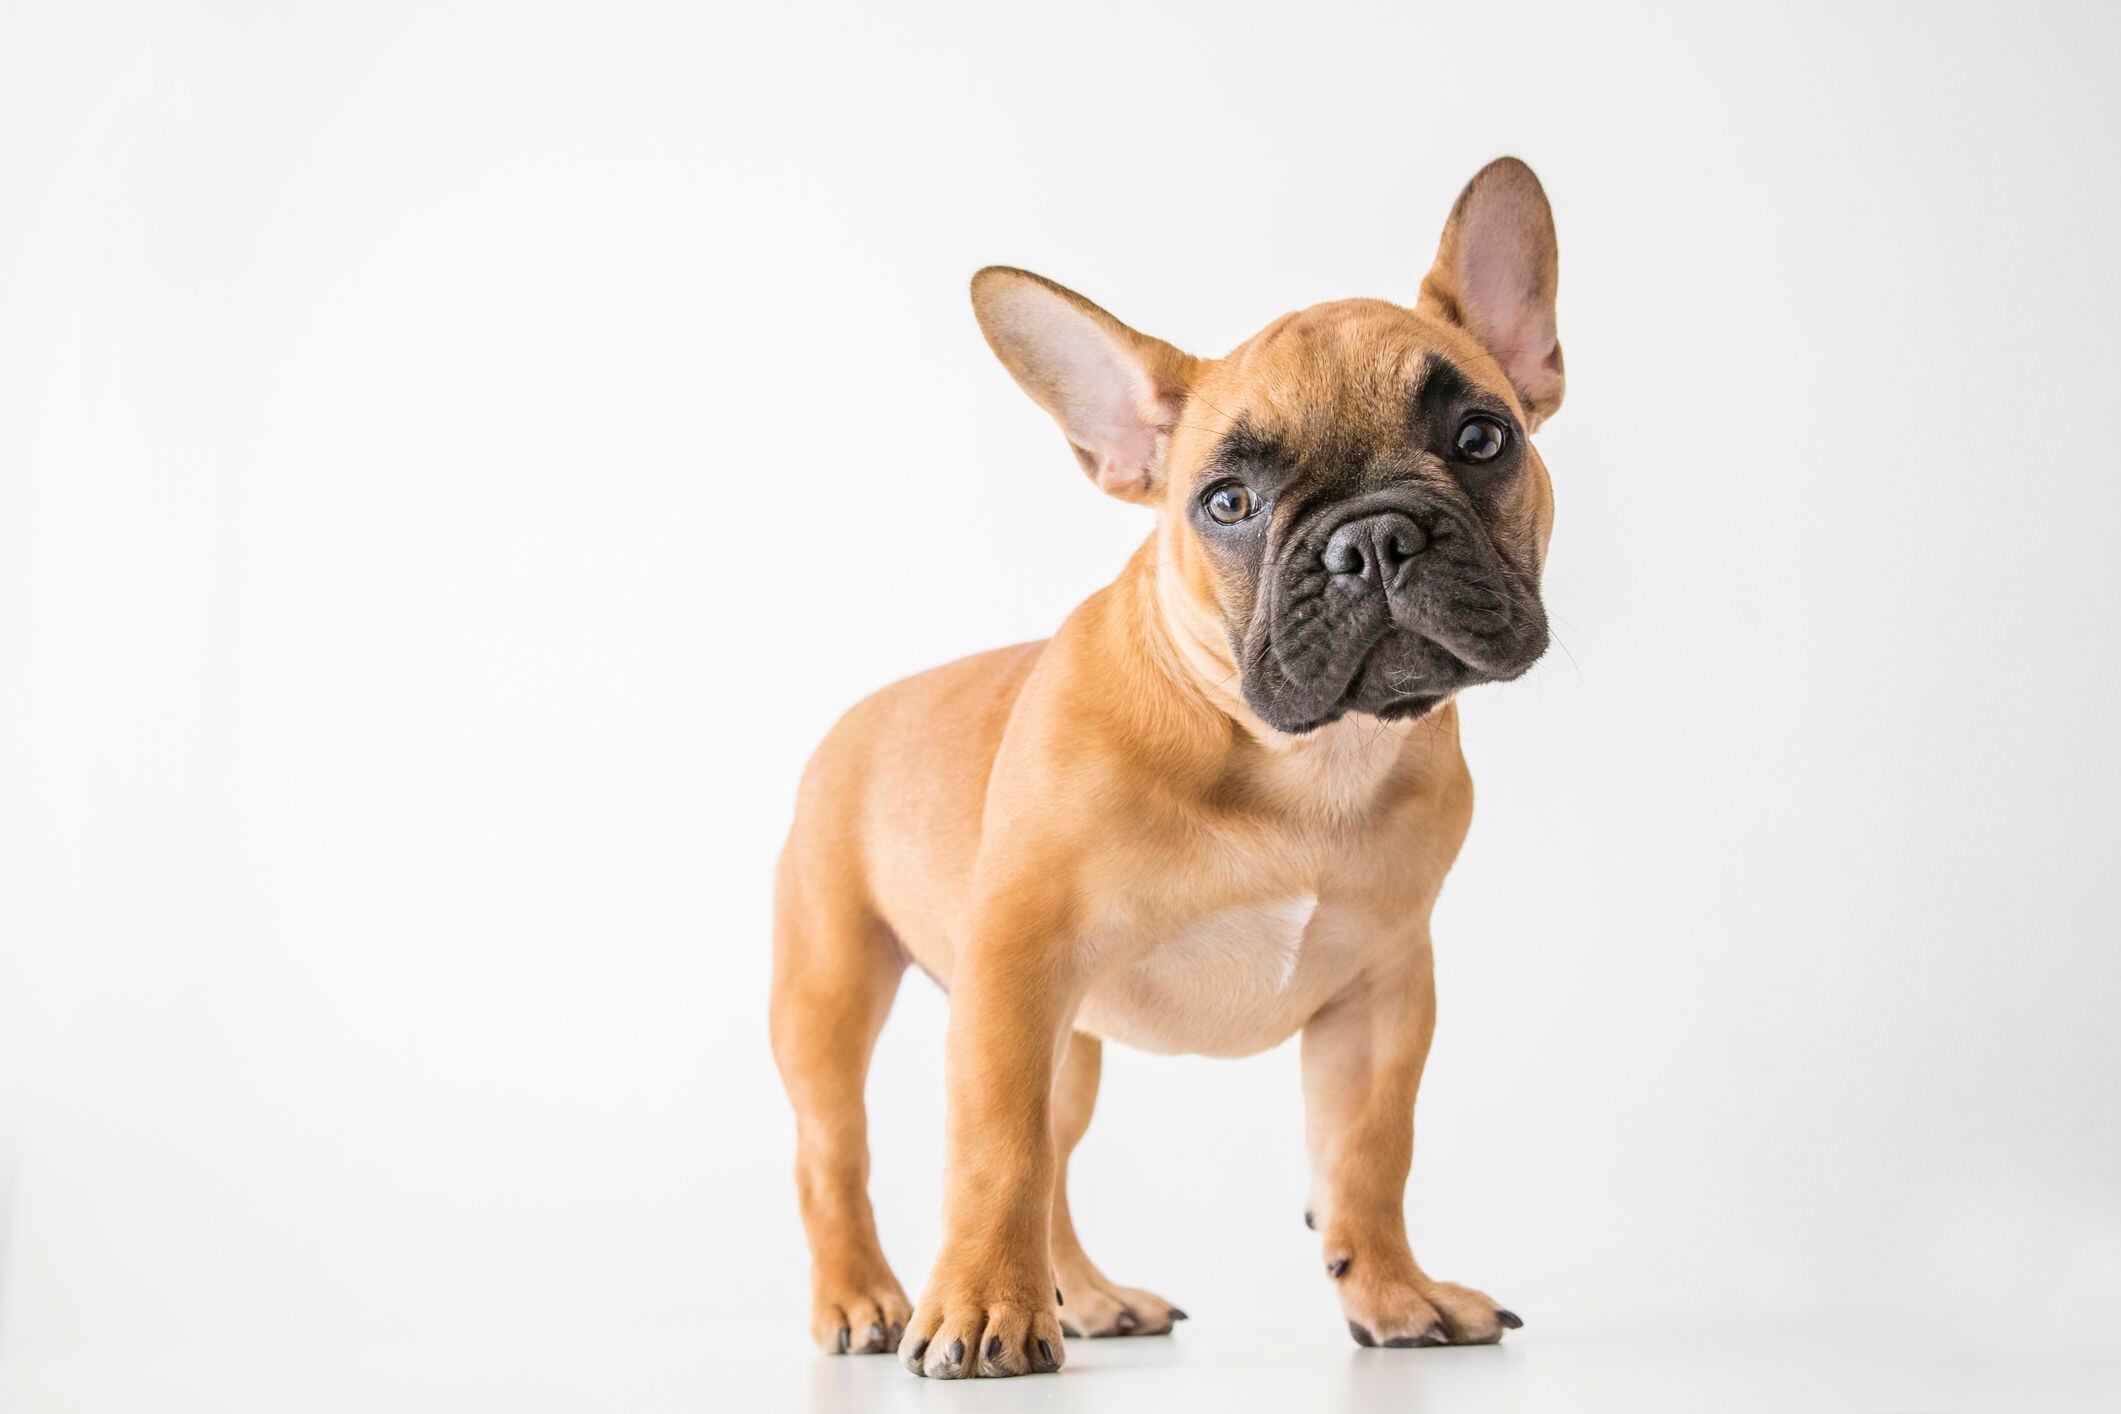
(1115, 393)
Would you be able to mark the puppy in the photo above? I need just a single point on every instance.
(1212, 811)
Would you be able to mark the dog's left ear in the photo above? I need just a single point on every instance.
(1495, 275)
(1115, 393)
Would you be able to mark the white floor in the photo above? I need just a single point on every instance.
(1287, 1371)
(1787, 1370)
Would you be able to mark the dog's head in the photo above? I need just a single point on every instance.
(1351, 494)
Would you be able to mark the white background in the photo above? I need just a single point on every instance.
(455, 462)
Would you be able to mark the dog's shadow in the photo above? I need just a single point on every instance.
(1197, 1369)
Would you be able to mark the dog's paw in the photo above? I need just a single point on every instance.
(1398, 1311)
(859, 1317)
(967, 1328)
(1471, 1317)
(1093, 1306)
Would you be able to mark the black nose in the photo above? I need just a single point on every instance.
(1377, 548)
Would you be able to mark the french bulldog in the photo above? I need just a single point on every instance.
(1212, 811)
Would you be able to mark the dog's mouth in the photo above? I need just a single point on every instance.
(1392, 679)
(1385, 684)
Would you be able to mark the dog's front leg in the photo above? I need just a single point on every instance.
(1363, 1057)
(988, 1308)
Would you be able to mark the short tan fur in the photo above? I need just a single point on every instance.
(1100, 837)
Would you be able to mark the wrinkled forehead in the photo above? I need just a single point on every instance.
(1331, 377)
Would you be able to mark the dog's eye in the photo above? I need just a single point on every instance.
(1230, 503)
(1481, 439)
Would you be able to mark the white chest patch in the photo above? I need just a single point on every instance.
(1245, 947)
(1219, 985)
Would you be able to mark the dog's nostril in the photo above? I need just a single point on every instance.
(1344, 556)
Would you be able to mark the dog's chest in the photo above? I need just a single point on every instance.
(1231, 981)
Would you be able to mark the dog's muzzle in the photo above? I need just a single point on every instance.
(1386, 606)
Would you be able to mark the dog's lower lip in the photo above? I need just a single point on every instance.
(1401, 697)
(1414, 705)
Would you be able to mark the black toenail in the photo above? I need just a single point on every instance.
(1126, 1321)
(994, 1347)
(1058, 1299)
(843, 1340)
(1361, 1333)
(898, 1328)
(1178, 1315)
(1067, 1329)
(920, 1348)
(1307, 1221)
(957, 1351)
(1339, 1267)
(876, 1334)
(1045, 1354)
(1511, 1321)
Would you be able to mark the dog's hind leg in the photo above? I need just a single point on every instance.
(836, 969)
(1091, 1304)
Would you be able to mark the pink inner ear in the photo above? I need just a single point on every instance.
(1500, 295)
(1111, 413)
(1124, 471)
(1091, 380)
(1125, 448)
(1525, 349)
